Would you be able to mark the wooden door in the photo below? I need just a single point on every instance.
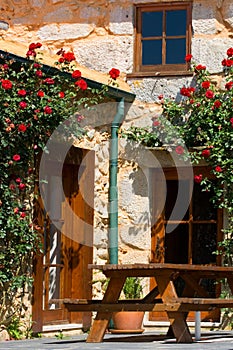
(62, 271)
(194, 237)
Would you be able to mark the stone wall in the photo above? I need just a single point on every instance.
(101, 35)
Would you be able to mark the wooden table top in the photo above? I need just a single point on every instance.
(152, 268)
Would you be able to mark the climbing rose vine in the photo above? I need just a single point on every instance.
(34, 100)
(202, 116)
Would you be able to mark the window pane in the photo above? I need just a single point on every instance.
(152, 52)
(204, 243)
(176, 245)
(176, 51)
(152, 24)
(203, 208)
(176, 22)
(173, 187)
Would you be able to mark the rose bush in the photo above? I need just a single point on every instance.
(201, 118)
(34, 100)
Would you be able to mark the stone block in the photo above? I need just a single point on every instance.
(121, 20)
(62, 14)
(37, 3)
(211, 52)
(102, 53)
(204, 18)
(64, 31)
(227, 12)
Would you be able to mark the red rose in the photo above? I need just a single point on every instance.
(188, 58)
(231, 121)
(156, 123)
(22, 186)
(49, 81)
(23, 214)
(185, 92)
(198, 178)
(209, 94)
(191, 89)
(6, 84)
(48, 110)
(39, 73)
(69, 56)
(76, 74)
(79, 117)
(61, 60)
(230, 52)
(227, 63)
(31, 53)
(205, 84)
(18, 180)
(22, 92)
(81, 84)
(12, 187)
(22, 128)
(218, 169)
(229, 85)
(34, 46)
(36, 65)
(114, 73)
(61, 94)
(200, 67)
(179, 150)
(40, 93)
(205, 153)
(217, 104)
(16, 157)
(22, 104)
(5, 66)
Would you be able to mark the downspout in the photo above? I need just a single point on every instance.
(113, 190)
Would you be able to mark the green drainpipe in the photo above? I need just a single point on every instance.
(113, 192)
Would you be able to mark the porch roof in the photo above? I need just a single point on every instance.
(94, 79)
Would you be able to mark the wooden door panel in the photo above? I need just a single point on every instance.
(62, 271)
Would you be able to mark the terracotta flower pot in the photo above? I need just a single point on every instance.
(128, 321)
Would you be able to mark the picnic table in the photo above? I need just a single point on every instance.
(163, 297)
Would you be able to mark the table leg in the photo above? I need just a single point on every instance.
(177, 319)
(179, 327)
(102, 319)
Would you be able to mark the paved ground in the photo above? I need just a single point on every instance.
(146, 341)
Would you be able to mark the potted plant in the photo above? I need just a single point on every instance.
(129, 321)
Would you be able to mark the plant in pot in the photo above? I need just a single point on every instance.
(129, 321)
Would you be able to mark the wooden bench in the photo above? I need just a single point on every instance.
(176, 304)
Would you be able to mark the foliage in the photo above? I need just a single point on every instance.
(200, 120)
(132, 288)
(34, 100)
(14, 329)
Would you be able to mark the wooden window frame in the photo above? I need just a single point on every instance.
(162, 69)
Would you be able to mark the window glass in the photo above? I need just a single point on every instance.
(152, 24)
(175, 51)
(151, 52)
(171, 199)
(163, 37)
(204, 243)
(176, 22)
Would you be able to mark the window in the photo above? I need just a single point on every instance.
(163, 38)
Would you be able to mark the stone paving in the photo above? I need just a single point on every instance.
(147, 341)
